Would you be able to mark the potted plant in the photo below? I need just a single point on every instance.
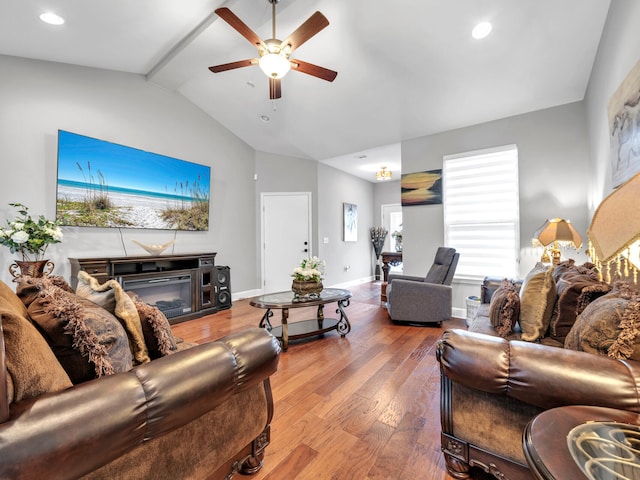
(30, 238)
(307, 278)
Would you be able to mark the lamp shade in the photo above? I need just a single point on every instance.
(557, 230)
(615, 228)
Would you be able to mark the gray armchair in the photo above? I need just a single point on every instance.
(424, 300)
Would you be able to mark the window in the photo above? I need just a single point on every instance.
(481, 211)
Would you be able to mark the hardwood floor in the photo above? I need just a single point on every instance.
(365, 406)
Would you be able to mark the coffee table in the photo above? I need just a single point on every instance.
(546, 441)
(306, 328)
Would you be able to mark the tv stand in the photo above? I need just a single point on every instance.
(183, 286)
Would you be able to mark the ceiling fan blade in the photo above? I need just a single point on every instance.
(308, 29)
(230, 66)
(315, 70)
(241, 27)
(275, 90)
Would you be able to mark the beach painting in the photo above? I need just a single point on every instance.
(103, 184)
(624, 128)
(421, 188)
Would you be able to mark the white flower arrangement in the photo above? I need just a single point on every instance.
(27, 236)
(310, 269)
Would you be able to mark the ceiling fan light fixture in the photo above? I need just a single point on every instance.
(274, 65)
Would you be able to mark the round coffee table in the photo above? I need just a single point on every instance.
(545, 439)
(306, 328)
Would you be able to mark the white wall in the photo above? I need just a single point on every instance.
(385, 193)
(618, 52)
(553, 169)
(336, 188)
(38, 98)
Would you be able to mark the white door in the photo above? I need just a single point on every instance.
(286, 237)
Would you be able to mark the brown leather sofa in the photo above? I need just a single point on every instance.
(491, 387)
(201, 413)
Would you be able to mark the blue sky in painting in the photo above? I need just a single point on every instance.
(125, 167)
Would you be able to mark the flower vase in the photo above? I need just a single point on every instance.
(37, 268)
(306, 289)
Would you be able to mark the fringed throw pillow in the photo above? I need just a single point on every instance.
(504, 309)
(610, 325)
(87, 340)
(156, 329)
(577, 286)
(110, 296)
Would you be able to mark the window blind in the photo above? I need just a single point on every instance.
(481, 211)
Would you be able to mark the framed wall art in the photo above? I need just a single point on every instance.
(421, 188)
(350, 215)
(624, 128)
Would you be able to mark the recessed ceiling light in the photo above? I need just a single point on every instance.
(51, 18)
(265, 118)
(481, 30)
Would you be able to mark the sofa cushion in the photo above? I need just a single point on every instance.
(156, 329)
(87, 340)
(504, 309)
(610, 325)
(577, 286)
(112, 297)
(537, 299)
(32, 369)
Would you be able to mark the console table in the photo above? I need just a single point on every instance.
(388, 258)
(307, 328)
(183, 286)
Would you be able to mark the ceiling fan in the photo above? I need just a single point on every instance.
(273, 54)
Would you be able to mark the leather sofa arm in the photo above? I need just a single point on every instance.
(70, 433)
(537, 374)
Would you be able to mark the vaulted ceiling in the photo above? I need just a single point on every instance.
(405, 68)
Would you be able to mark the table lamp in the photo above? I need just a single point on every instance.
(556, 232)
(614, 233)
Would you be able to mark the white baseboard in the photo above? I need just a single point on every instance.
(246, 294)
(351, 283)
(459, 312)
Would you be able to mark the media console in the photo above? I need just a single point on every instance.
(183, 286)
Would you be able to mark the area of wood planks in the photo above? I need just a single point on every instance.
(365, 406)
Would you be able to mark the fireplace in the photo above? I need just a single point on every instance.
(182, 286)
(171, 293)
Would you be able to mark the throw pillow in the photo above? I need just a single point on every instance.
(32, 369)
(537, 299)
(576, 289)
(113, 298)
(504, 308)
(88, 341)
(156, 329)
(610, 325)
